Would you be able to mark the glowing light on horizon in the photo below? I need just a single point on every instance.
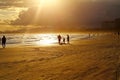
(46, 40)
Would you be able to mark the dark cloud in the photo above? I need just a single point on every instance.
(112, 25)
(13, 31)
(70, 14)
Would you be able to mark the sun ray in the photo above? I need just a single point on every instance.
(44, 5)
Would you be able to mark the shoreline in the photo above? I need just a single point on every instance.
(82, 60)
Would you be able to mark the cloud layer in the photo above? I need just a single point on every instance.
(29, 3)
(70, 14)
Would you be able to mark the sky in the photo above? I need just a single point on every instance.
(67, 14)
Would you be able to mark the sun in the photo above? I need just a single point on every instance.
(45, 42)
(47, 2)
(46, 39)
(45, 6)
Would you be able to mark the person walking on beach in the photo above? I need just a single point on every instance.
(3, 41)
(68, 39)
(59, 39)
(118, 33)
(63, 40)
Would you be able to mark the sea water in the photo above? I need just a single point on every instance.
(38, 39)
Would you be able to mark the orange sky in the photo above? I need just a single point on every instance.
(72, 14)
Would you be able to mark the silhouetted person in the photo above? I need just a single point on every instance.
(63, 40)
(118, 33)
(89, 35)
(3, 41)
(68, 39)
(59, 39)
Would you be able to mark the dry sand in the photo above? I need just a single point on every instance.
(91, 59)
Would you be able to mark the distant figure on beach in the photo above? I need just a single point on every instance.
(68, 39)
(59, 39)
(118, 33)
(63, 40)
(3, 41)
(89, 35)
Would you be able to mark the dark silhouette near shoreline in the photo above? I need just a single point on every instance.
(118, 33)
(63, 40)
(59, 39)
(3, 41)
(68, 39)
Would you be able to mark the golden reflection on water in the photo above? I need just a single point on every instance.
(46, 39)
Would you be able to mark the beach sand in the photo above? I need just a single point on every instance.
(87, 59)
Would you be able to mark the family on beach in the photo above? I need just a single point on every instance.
(63, 38)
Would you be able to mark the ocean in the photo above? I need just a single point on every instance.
(38, 39)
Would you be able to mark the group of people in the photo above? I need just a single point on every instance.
(3, 40)
(64, 40)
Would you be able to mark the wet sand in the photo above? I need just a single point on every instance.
(88, 59)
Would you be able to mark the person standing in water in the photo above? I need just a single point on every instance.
(68, 39)
(59, 39)
(63, 40)
(3, 41)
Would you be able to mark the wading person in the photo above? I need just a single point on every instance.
(68, 39)
(59, 39)
(63, 40)
(3, 41)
